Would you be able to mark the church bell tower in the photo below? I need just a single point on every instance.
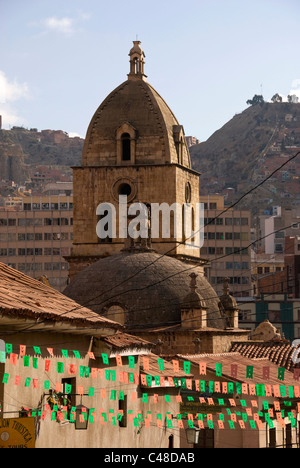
(135, 150)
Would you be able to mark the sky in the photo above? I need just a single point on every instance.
(60, 59)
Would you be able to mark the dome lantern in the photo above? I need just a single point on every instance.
(137, 62)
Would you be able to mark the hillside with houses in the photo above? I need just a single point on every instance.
(247, 150)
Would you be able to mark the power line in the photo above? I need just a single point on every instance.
(182, 242)
(220, 214)
(158, 282)
(170, 323)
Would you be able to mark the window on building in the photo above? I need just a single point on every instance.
(126, 153)
(30, 222)
(272, 437)
(288, 436)
(69, 394)
(123, 408)
(245, 315)
(244, 236)
(171, 441)
(206, 439)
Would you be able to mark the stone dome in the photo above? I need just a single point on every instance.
(151, 289)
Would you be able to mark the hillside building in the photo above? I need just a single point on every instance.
(284, 222)
(227, 240)
(35, 238)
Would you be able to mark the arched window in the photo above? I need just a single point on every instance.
(136, 65)
(126, 152)
(126, 142)
(116, 313)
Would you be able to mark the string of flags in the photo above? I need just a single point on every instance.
(206, 390)
(72, 368)
(231, 419)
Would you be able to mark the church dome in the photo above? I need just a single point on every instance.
(145, 289)
(136, 109)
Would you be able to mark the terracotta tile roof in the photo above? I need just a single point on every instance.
(179, 329)
(23, 297)
(123, 341)
(278, 352)
(168, 368)
(227, 359)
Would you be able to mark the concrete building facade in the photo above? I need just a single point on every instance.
(227, 238)
(35, 238)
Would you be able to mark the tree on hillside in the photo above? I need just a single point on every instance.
(292, 98)
(257, 99)
(276, 98)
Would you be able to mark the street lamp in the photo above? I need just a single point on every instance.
(192, 435)
(81, 424)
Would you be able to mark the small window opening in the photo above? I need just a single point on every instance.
(125, 189)
(136, 66)
(126, 154)
(123, 409)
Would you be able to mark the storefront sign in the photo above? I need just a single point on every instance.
(17, 433)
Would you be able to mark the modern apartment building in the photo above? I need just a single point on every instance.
(281, 310)
(35, 237)
(284, 222)
(227, 238)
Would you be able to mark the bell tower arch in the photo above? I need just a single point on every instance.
(136, 147)
(137, 62)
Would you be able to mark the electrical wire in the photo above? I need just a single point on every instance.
(215, 297)
(161, 256)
